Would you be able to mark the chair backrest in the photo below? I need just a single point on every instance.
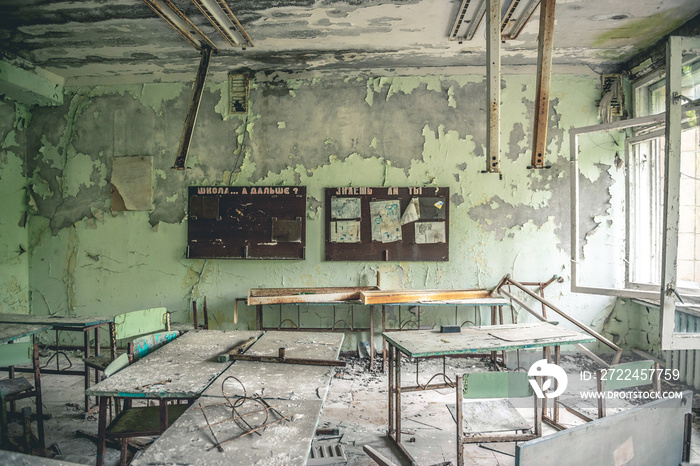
(628, 374)
(13, 354)
(143, 322)
(145, 345)
(497, 385)
(140, 348)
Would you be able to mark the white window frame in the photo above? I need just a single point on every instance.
(671, 340)
(672, 122)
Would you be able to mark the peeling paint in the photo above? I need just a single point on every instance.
(335, 131)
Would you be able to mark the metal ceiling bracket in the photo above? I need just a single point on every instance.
(222, 18)
(186, 138)
(181, 23)
(544, 74)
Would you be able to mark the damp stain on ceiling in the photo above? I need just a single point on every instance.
(107, 39)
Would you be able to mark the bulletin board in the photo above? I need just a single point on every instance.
(387, 224)
(246, 222)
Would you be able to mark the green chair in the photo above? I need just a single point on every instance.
(140, 421)
(627, 375)
(126, 327)
(13, 389)
(497, 387)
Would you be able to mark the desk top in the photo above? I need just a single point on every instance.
(319, 295)
(475, 297)
(294, 390)
(10, 332)
(55, 320)
(182, 368)
(482, 339)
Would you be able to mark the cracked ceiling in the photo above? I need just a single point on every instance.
(101, 40)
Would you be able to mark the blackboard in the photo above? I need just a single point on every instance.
(361, 224)
(246, 222)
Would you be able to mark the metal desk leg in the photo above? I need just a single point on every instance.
(39, 401)
(86, 352)
(556, 400)
(460, 422)
(101, 430)
(258, 317)
(383, 341)
(391, 392)
(113, 340)
(397, 378)
(371, 337)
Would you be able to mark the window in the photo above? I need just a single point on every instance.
(661, 197)
(645, 190)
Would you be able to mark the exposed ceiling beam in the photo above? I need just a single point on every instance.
(493, 84)
(544, 74)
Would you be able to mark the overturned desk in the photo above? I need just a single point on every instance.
(431, 343)
(330, 297)
(278, 408)
(82, 324)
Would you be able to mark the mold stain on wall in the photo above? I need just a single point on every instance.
(338, 131)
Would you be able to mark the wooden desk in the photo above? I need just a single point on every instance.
(8, 334)
(294, 390)
(404, 299)
(430, 343)
(181, 369)
(70, 324)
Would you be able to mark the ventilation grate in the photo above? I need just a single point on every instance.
(326, 454)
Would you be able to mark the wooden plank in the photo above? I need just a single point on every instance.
(378, 458)
(544, 75)
(424, 343)
(601, 440)
(422, 296)
(258, 296)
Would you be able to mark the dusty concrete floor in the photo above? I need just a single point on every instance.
(356, 406)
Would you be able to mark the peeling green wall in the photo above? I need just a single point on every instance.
(14, 261)
(321, 132)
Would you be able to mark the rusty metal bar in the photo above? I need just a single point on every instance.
(191, 118)
(460, 421)
(544, 74)
(493, 85)
(579, 324)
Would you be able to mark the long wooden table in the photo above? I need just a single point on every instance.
(371, 296)
(297, 392)
(82, 324)
(431, 343)
(8, 334)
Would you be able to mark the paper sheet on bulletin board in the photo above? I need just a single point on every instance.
(387, 224)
